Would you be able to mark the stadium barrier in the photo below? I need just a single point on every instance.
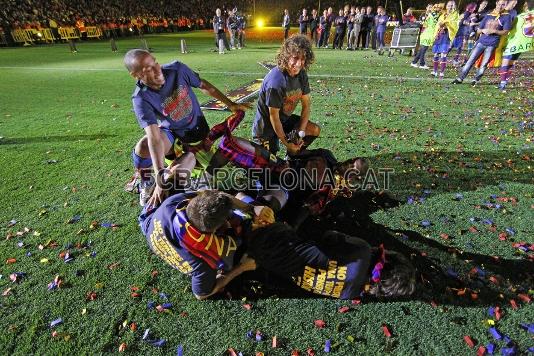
(68, 33)
(93, 32)
(22, 36)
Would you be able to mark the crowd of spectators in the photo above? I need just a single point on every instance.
(114, 17)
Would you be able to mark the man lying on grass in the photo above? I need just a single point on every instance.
(198, 233)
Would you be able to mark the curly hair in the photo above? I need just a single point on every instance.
(398, 277)
(296, 45)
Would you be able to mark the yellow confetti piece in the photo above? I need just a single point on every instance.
(84, 311)
(489, 322)
(36, 233)
(99, 285)
(44, 260)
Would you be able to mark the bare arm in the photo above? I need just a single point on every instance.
(274, 117)
(305, 112)
(247, 264)
(208, 89)
(157, 152)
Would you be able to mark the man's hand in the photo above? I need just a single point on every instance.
(293, 148)
(158, 196)
(247, 263)
(236, 107)
(263, 215)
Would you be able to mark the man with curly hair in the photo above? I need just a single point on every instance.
(283, 88)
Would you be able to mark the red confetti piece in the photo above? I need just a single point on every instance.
(469, 341)
(513, 304)
(434, 304)
(494, 280)
(320, 324)
(55, 333)
(184, 314)
(525, 298)
(274, 344)
(134, 289)
(231, 352)
(473, 229)
(91, 296)
(295, 353)
(122, 347)
(259, 353)
(11, 261)
(481, 351)
(310, 351)
(6, 292)
(356, 301)
(386, 331)
(498, 313)
(114, 265)
(160, 308)
(503, 236)
(343, 309)
(133, 326)
(444, 236)
(135, 295)
(154, 274)
(474, 296)
(247, 306)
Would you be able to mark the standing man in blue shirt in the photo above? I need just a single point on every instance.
(491, 28)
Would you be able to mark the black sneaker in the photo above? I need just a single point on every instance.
(457, 81)
(474, 82)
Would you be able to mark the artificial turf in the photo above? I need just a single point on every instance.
(459, 203)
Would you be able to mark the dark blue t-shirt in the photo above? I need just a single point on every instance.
(158, 228)
(175, 105)
(280, 90)
(496, 23)
(381, 22)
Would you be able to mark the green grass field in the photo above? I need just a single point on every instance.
(463, 163)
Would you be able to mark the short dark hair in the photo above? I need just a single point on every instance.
(131, 58)
(209, 210)
(296, 45)
(397, 278)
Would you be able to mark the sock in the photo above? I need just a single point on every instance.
(509, 72)
(436, 62)
(143, 165)
(443, 63)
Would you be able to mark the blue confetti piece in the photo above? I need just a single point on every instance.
(490, 348)
(151, 305)
(28, 254)
(146, 334)
(427, 191)
(74, 219)
(106, 224)
(425, 223)
(157, 343)
(474, 219)
(422, 200)
(250, 334)
(56, 322)
(410, 200)
(488, 221)
(498, 206)
(93, 254)
(180, 350)
(528, 327)
(510, 230)
(458, 196)
(20, 244)
(495, 333)
(163, 296)
(508, 351)
(167, 305)
(259, 336)
(481, 272)
(491, 311)
(327, 346)
(531, 350)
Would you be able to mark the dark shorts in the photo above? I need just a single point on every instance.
(265, 135)
(191, 135)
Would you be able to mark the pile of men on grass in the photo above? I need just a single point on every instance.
(215, 235)
(277, 214)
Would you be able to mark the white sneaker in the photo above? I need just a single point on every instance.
(415, 65)
(434, 74)
(441, 75)
(424, 67)
(146, 189)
